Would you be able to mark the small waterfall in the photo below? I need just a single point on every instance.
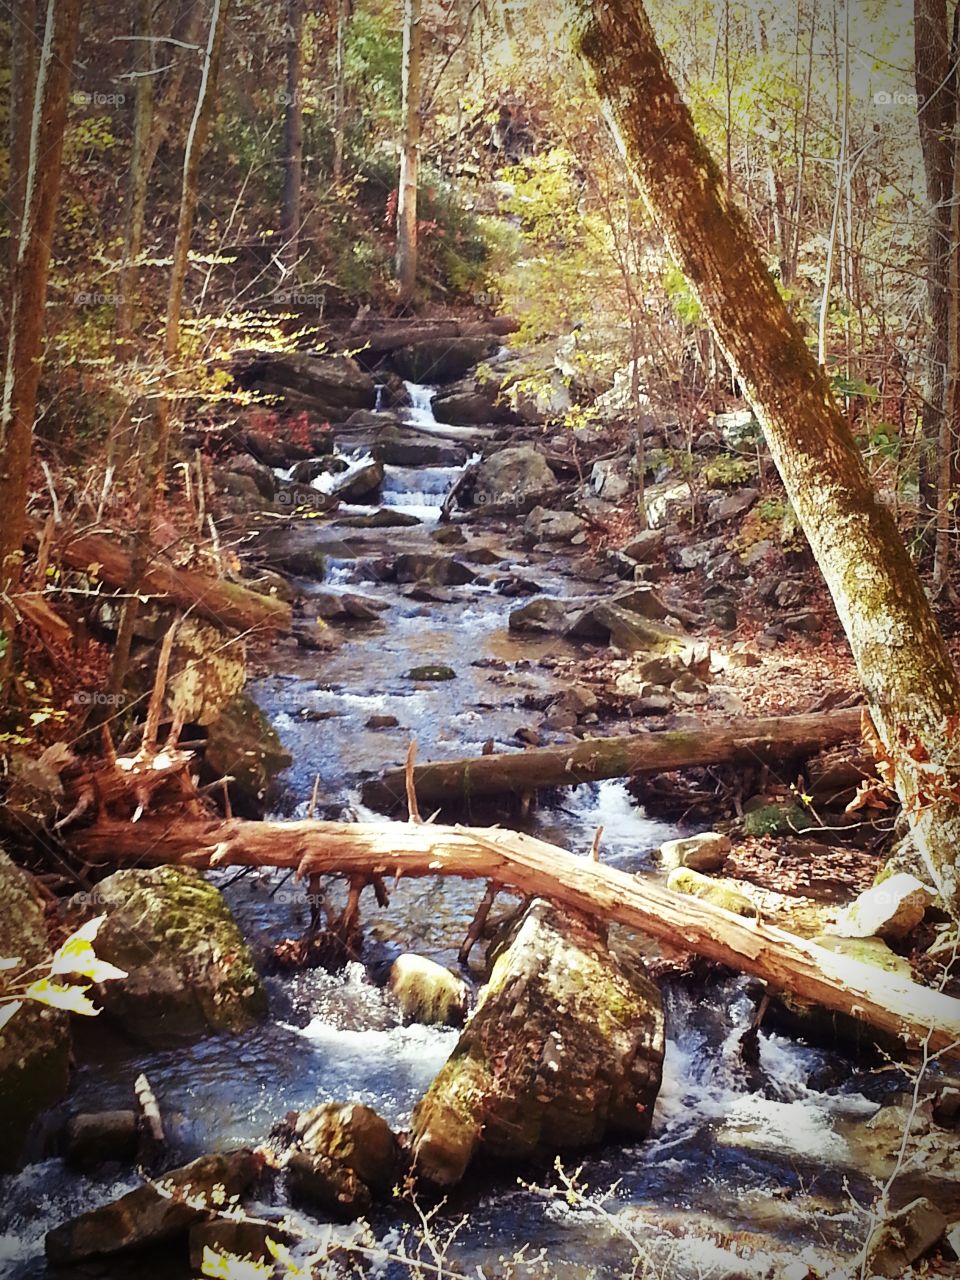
(378, 404)
(420, 413)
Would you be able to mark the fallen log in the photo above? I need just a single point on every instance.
(227, 603)
(745, 741)
(885, 1001)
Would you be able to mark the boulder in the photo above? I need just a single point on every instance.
(438, 571)
(148, 1216)
(542, 616)
(427, 992)
(890, 910)
(646, 547)
(372, 418)
(399, 448)
(333, 607)
(469, 408)
(243, 745)
(666, 503)
(510, 475)
(306, 472)
(385, 518)
(552, 526)
(344, 1153)
(610, 478)
(432, 673)
(364, 482)
(189, 971)
(441, 360)
(627, 630)
(730, 505)
(208, 669)
(717, 892)
(35, 1042)
(333, 385)
(285, 441)
(704, 852)
(258, 472)
(564, 1048)
(900, 1238)
(94, 1138)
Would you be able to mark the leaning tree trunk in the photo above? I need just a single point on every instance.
(410, 154)
(25, 334)
(911, 684)
(293, 134)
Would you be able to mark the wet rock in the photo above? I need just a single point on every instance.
(427, 992)
(552, 526)
(686, 880)
(441, 360)
(345, 1153)
(94, 1138)
(565, 1046)
(189, 971)
(438, 571)
(399, 448)
(365, 482)
(467, 408)
(35, 1042)
(483, 556)
(242, 744)
(372, 418)
(891, 909)
(632, 633)
(543, 615)
(528, 736)
(383, 722)
(307, 471)
(332, 385)
(332, 606)
(902, 1237)
(448, 535)
(147, 1216)
(731, 505)
(385, 518)
(432, 672)
(646, 546)
(704, 852)
(511, 475)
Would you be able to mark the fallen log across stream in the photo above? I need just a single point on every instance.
(768, 741)
(882, 1000)
(228, 603)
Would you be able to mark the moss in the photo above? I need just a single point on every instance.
(775, 820)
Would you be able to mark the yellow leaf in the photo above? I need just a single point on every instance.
(77, 956)
(72, 999)
(223, 1266)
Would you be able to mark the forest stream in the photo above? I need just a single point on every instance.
(746, 1171)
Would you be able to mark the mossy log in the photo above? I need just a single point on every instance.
(885, 1001)
(229, 604)
(768, 741)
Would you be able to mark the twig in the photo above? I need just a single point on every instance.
(595, 847)
(150, 1111)
(478, 922)
(413, 809)
(159, 689)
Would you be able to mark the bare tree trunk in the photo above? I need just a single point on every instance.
(23, 71)
(909, 679)
(410, 153)
(844, 113)
(144, 65)
(340, 91)
(936, 116)
(155, 461)
(168, 106)
(293, 133)
(41, 189)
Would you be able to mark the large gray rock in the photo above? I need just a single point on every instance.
(148, 1216)
(189, 971)
(438, 571)
(552, 526)
(467, 408)
(565, 1047)
(400, 448)
(243, 745)
(360, 485)
(35, 1043)
(511, 475)
(890, 910)
(706, 851)
(442, 359)
(902, 1237)
(333, 385)
(343, 1155)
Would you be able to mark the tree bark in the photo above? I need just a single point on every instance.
(23, 71)
(410, 153)
(41, 189)
(340, 90)
(767, 741)
(228, 604)
(883, 1000)
(293, 133)
(909, 679)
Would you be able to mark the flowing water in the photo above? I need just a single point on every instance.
(732, 1174)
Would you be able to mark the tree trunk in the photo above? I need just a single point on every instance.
(155, 460)
(909, 679)
(410, 154)
(23, 71)
(936, 114)
(293, 133)
(883, 1000)
(748, 742)
(340, 91)
(41, 188)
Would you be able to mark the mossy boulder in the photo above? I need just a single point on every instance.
(776, 820)
(35, 1043)
(344, 1154)
(717, 892)
(189, 971)
(565, 1047)
(427, 992)
(243, 745)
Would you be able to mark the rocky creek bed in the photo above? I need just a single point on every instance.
(762, 1149)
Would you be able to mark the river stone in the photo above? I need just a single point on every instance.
(433, 672)
(511, 475)
(427, 992)
(628, 631)
(441, 360)
(334, 385)
(542, 616)
(565, 1046)
(363, 483)
(646, 546)
(903, 1237)
(552, 526)
(437, 571)
(147, 1216)
(307, 471)
(891, 909)
(243, 745)
(404, 448)
(35, 1043)
(95, 1137)
(704, 852)
(189, 971)
(717, 892)
(469, 408)
(344, 1154)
